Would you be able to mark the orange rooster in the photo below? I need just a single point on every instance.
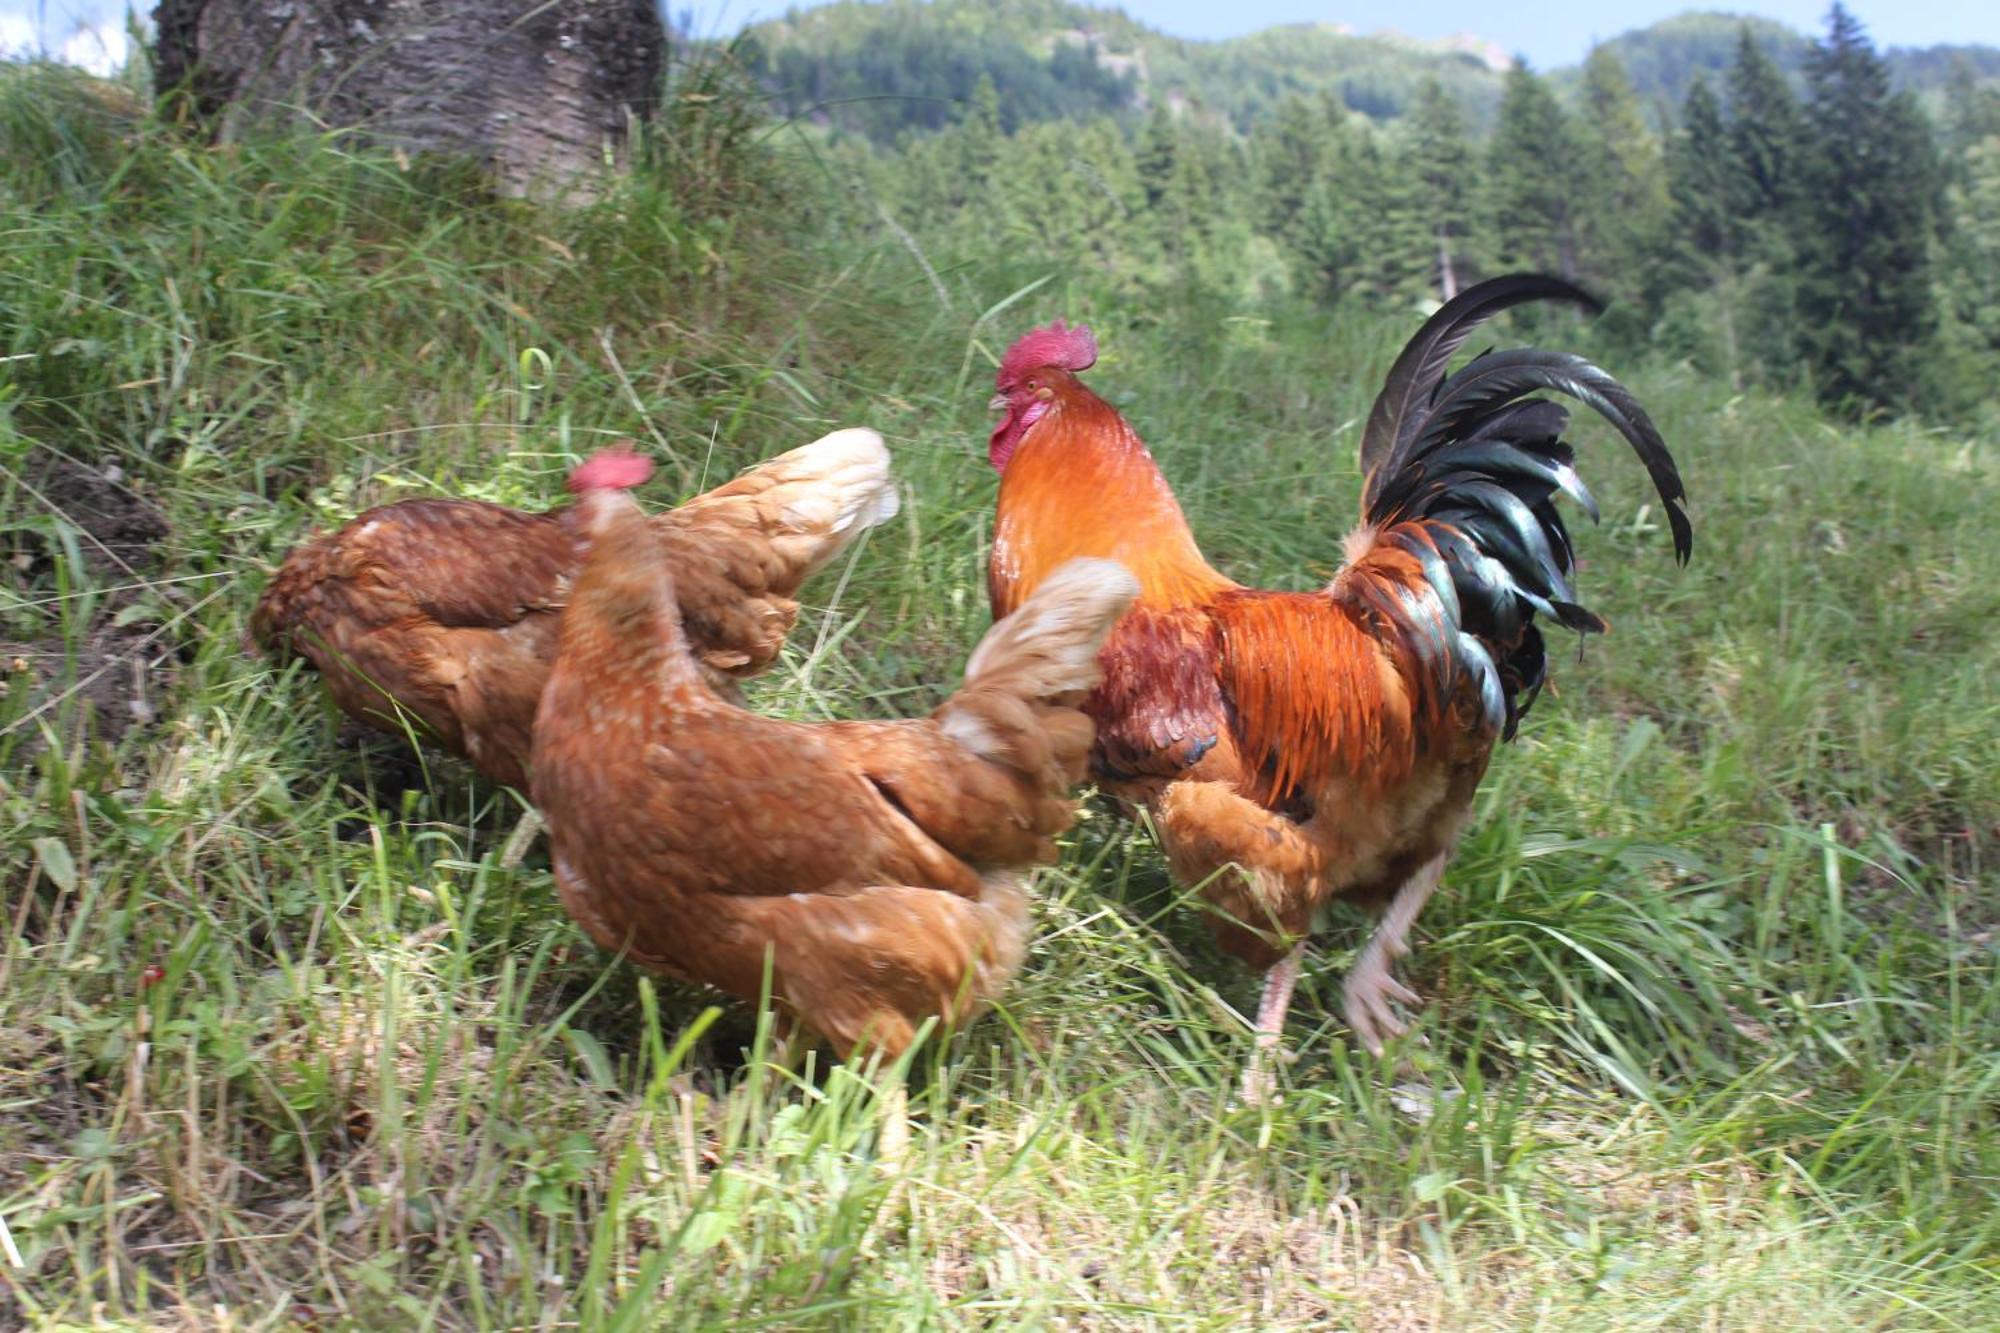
(441, 615)
(1296, 748)
(874, 864)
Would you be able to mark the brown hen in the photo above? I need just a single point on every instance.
(440, 616)
(875, 865)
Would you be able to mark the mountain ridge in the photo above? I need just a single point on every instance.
(883, 67)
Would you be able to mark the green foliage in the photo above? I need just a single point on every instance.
(1701, 239)
(1971, 109)
(1705, 223)
(1768, 145)
(1442, 167)
(882, 69)
(1665, 60)
(1622, 178)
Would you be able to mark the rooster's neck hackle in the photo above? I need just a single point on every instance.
(1082, 483)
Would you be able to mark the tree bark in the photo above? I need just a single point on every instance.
(543, 91)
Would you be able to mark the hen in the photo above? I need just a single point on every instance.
(875, 864)
(1297, 748)
(440, 616)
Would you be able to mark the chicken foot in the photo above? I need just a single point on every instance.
(1370, 984)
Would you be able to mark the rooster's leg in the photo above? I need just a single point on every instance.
(1258, 1081)
(1370, 985)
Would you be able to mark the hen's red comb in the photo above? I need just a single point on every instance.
(1054, 345)
(613, 469)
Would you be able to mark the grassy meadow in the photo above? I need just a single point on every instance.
(285, 1045)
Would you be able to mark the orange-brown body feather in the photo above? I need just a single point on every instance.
(1288, 753)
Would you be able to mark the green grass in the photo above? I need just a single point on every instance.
(282, 1043)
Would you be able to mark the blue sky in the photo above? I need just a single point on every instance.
(1555, 32)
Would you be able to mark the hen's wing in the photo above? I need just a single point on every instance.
(740, 552)
(433, 614)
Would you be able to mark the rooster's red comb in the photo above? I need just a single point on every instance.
(613, 469)
(1070, 348)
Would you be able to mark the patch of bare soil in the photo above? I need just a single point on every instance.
(120, 527)
(117, 667)
(116, 676)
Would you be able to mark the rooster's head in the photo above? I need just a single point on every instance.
(1028, 378)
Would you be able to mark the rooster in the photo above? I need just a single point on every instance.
(1294, 748)
(440, 616)
(873, 865)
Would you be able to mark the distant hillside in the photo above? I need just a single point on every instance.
(881, 68)
(888, 66)
(1663, 60)
(1377, 75)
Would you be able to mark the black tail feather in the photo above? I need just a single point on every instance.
(1420, 367)
(1479, 463)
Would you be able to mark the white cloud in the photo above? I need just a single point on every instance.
(100, 48)
(87, 33)
(17, 35)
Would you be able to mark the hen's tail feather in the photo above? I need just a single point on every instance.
(812, 501)
(1462, 474)
(1016, 707)
(1048, 647)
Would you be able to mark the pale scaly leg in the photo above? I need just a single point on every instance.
(521, 839)
(1258, 1081)
(892, 1152)
(1370, 985)
(893, 1145)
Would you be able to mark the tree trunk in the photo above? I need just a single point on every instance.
(540, 90)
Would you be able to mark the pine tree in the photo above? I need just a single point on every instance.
(1696, 283)
(1971, 108)
(1705, 234)
(1381, 248)
(1866, 302)
(1291, 157)
(1532, 170)
(1974, 247)
(1441, 164)
(1157, 143)
(1624, 187)
(1767, 146)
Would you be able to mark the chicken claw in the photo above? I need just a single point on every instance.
(1370, 984)
(1369, 989)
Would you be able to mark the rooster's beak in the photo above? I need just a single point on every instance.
(998, 403)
